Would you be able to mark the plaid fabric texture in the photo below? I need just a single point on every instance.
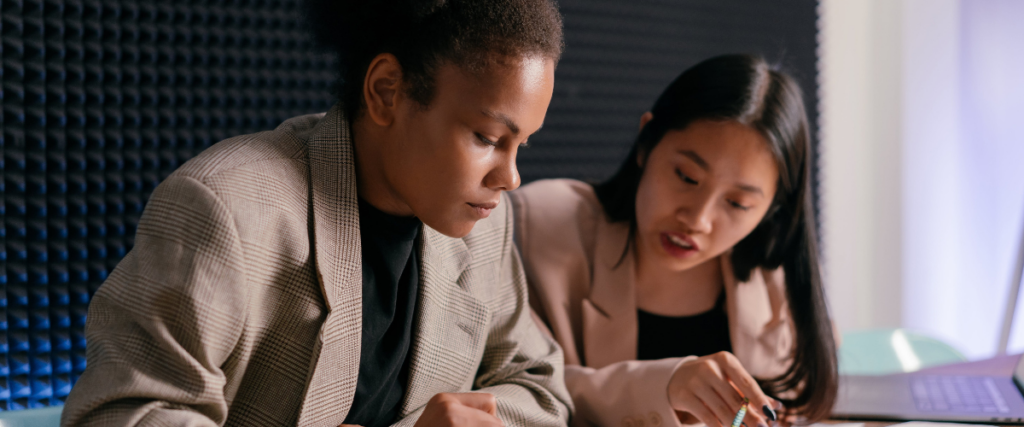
(240, 303)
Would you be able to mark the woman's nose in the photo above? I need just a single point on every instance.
(505, 175)
(699, 216)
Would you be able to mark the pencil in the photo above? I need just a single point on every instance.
(736, 422)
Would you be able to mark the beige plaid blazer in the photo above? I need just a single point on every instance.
(240, 303)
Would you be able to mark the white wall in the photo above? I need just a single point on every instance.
(922, 107)
(992, 150)
(860, 80)
(934, 278)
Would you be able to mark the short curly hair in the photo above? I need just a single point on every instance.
(423, 34)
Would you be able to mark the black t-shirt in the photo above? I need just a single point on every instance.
(660, 337)
(390, 285)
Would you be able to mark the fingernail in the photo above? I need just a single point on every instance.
(768, 412)
(778, 405)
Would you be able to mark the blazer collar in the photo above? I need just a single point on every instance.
(609, 315)
(448, 317)
(336, 250)
(334, 227)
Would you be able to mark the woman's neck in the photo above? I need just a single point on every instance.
(369, 145)
(678, 293)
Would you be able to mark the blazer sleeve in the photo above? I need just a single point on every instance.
(628, 393)
(166, 319)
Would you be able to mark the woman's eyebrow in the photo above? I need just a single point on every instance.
(750, 188)
(512, 126)
(690, 154)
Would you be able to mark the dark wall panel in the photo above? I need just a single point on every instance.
(620, 55)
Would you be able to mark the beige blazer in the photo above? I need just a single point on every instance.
(240, 303)
(570, 250)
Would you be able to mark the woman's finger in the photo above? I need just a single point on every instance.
(746, 384)
(722, 410)
(726, 391)
(480, 401)
(705, 415)
(754, 418)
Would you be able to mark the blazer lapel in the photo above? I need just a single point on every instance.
(334, 223)
(451, 324)
(609, 315)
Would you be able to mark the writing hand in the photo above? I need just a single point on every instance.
(712, 389)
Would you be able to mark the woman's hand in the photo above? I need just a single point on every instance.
(712, 388)
(460, 409)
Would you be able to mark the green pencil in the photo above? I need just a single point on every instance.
(736, 422)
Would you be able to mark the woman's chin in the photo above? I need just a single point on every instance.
(456, 229)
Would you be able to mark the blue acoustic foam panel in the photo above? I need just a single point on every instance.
(101, 100)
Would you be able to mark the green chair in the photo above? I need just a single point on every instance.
(45, 417)
(887, 351)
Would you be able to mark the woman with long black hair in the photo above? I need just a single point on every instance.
(688, 283)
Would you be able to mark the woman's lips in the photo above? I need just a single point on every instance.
(483, 209)
(678, 245)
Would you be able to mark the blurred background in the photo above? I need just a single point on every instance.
(916, 107)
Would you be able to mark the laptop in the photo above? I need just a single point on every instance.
(934, 397)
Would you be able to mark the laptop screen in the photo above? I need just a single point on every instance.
(1018, 374)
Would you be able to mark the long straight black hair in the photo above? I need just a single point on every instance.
(746, 89)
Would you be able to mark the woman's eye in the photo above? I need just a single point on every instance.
(685, 178)
(739, 206)
(485, 140)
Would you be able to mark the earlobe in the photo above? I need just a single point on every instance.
(381, 88)
(645, 118)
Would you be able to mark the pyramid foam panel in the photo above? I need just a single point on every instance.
(100, 101)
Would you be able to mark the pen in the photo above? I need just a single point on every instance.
(736, 422)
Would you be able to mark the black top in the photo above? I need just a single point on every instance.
(702, 334)
(390, 284)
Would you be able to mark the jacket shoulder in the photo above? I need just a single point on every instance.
(555, 212)
(287, 142)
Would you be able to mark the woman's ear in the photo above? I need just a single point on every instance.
(641, 155)
(382, 88)
(645, 118)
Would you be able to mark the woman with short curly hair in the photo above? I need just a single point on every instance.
(353, 267)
